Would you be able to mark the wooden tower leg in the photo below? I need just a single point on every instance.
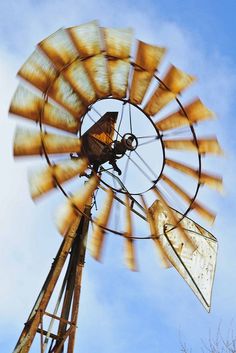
(74, 243)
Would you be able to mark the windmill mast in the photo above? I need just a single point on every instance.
(74, 245)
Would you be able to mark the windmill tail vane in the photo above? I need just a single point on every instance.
(113, 132)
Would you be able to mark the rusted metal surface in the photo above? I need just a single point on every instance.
(59, 48)
(86, 38)
(153, 229)
(69, 211)
(208, 145)
(129, 245)
(79, 80)
(97, 69)
(32, 324)
(118, 46)
(213, 181)
(147, 60)
(195, 112)
(208, 215)
(78, 280)
(38, 70)
(173, 83)
(30, 106)
(43, 180)
(97, 240)
(64, 94)
(197, 268)
(29, 142)
(118, 73)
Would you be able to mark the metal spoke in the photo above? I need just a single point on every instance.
(147, 165)
(148, 137)
(147, 142)
(175, 133)
(140, 169)
(122, 113)
(130, 119)
(126, 168)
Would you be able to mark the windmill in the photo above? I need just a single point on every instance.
(114, 129)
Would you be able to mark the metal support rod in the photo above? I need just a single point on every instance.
(33, 323)
(78, 280)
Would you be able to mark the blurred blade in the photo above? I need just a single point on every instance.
(194, 113)
(155, 236)
(38, 70)
(130, 258)
(30, 142)
(210, 180)
(197, 268)
(86, 38)
(118, 73)
(43, 180)
(208, 145)
(59, 48)
(118, 45)
(71, 210)
(147, 60)
(61, 91)
(28, 105)
(208, 215)
(185, 238)
(97, 240)
(97, 70)
(174, 83)
(77, 76)
(118, 42)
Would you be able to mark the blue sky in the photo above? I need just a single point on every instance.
(120, 311)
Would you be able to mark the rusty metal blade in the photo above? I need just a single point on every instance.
(155, 236)
(197, 268)
(173, 219)
(30, 106)
(45, 179)
(205, 213)
(97, 239)
(69, 212)
(118, 42)
(147, 60)
(129, 250)
(59, 48)
(77, 76)
(62, 92)
(174, 83)
(207, 145)
(213, 181)
(38, 70)
(86, 38)
(30, 142)
(97, 69)
(118, 46)
(118, 73)
(195, 112)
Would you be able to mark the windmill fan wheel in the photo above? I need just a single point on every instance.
(105, 115)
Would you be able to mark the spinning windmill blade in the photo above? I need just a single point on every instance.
(83, 82)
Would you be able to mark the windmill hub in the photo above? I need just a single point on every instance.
(129, 142)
